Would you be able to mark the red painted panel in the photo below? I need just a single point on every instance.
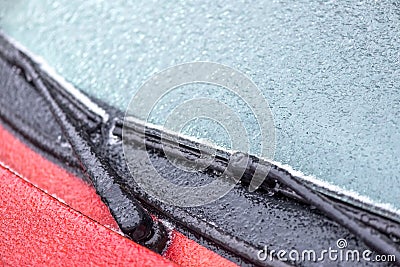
(37, 229)
(53, 179)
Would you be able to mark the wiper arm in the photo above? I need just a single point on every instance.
(131, 217)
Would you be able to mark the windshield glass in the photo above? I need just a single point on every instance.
(329, 70)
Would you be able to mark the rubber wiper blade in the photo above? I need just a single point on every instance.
(131, 217)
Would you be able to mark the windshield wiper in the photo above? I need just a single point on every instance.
(131, 217)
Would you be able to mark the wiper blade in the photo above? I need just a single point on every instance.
(367, 226)
(131, 217)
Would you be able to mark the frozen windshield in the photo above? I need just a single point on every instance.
(329, 70)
